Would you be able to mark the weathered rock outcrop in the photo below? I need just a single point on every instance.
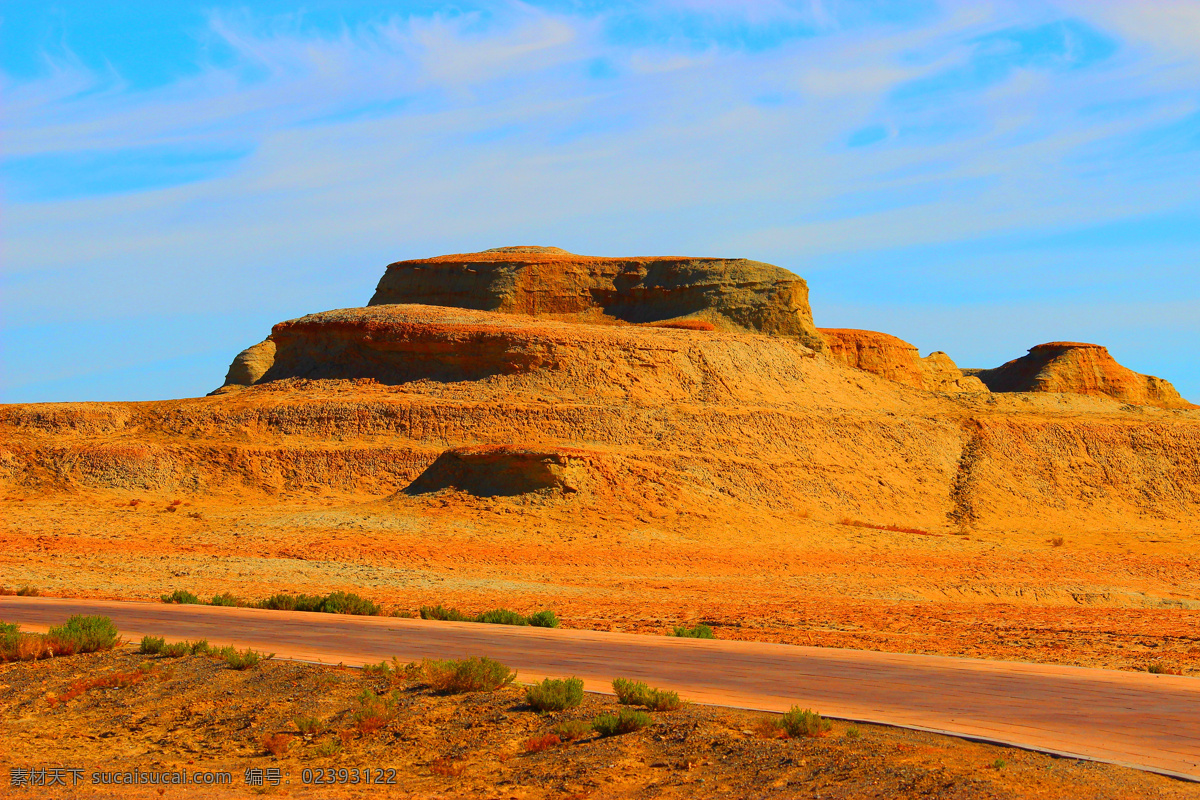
(508, 470)
(251, 364)
(897, 360)
(547, 281)
(941, 374)
(1079, 368)
(403, 344)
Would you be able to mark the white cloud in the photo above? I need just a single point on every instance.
(414, 135)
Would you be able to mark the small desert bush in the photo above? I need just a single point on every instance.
(175, 650)
(225, 599)
(152, 645)
(242, 659)
(395, 671)
(24, 591)
(1057, 541)
(466, 675)
(539, 743)
(332, 603)
(572, 729)
(662, 700)
(182, 597)
(200, 648)
(17, 646)
(1161, 669)
(853, 732)
(83, 634)
(502, 616)
(637, 693)
(442, 614)
(699, 631)
(803, 722)
(630, 693)
(999, 763)
(308, 725)
(627, 721)
(327, 748)
(543, 619)
(375, 711)
(555, 694)
(277, 743)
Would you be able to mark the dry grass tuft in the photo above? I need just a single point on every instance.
(539, 743)
(277, 744)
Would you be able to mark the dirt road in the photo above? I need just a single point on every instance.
(1134, 719)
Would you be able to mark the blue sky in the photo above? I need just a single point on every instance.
(973, 177)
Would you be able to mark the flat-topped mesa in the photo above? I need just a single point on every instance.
(547, 281)
(895, 359)
(1080, 368)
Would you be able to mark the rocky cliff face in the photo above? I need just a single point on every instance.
(547, 281)
(895, 359)
(1079, 368)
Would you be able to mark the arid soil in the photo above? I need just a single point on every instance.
(197, 715)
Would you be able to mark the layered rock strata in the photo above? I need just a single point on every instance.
(895, 359)
(1080, 368)
(546, 281)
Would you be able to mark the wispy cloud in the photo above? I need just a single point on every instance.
(299, 158)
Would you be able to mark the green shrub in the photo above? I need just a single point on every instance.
(244, 659)
(290, 602)
(627, 721)
(502, 616)
(28, 591)
(181, 596)
(661, 700)
(803, 722)
(332, 603)
(152, 645)
(630, 693)
(444, 614)
(175, 650)
(700, 631)
(466, 675)
(349, 603)
(853, 732)
(225, 599)
(308, 725)
(572, 729)
(555, 695)
(201, 648)
(374, 711)
(543, 619)
(83, 634)
(9, 628)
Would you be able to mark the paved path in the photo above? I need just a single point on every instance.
(1131, 718)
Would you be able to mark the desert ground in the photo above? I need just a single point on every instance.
(194, 714)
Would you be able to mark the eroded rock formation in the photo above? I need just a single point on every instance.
(1080, 368)
(547, 281)
(509, 470)
(895, 359)
(402, 344)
